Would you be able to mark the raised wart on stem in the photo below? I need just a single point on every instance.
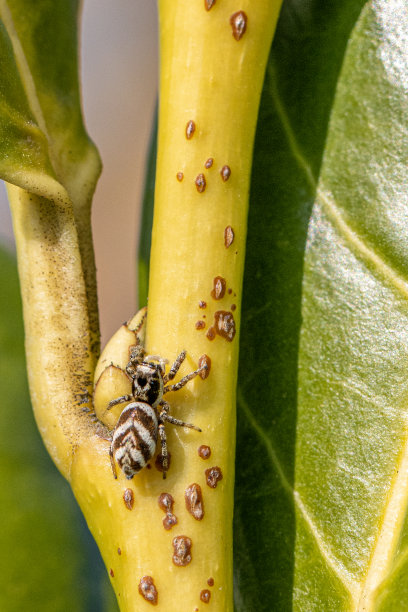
(209, 4)
(129, 499)
(204, 451)
(225, 173)
(238, 23)
(148, 590)
(200, 183)
(181, 550)
(228, 236)
(190, 129)
(194, 501)
(218, 290)
(213, 475)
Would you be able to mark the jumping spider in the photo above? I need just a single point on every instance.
(135, 435)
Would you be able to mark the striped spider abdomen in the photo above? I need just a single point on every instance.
(134, 439)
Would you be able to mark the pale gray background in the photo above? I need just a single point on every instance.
(119, 88)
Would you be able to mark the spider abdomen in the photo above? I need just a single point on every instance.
(135, 437)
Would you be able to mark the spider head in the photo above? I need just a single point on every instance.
(147, 383)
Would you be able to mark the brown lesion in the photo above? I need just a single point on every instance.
(194, 501)
(182, 550)
(190, 129)
(204, 360)
(229, 236)
(213, 475)
(148, 591)
(238, 23)
(166, 503)
(129, 499)
(208, 4)
(204, 451)
(200, 183)
(219, 286)
(225, 173)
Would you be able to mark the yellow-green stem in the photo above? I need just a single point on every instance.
(209, 78)
(213, 80)
(58, 343)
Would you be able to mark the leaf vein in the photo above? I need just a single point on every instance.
(357, 244)
(297, 500)
(287, 127)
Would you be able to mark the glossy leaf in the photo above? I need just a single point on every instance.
(321, 463)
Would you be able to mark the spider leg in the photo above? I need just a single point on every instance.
(184, 380)
(164, 416)
(119, 400)
(175, 367)
(163, 440)
(112, 460)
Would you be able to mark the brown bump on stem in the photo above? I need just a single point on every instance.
(224, 324)
(200, 324)
(169, 521)
(194, 501)
(218, 291)
(210, 582)
(213, 475)
(119, 551)
(200, 183)
(181, 550)
(233, 307)
(225, 173)
(229, 291)
(190, 129)
(202, 304)
(211, 333)
(228, 236)
(129, 499)
(238, 23)
(209, 4)
(204, 360)
(204, 451)
(148, 590)
(205, 595)
(180, 176)
(209, 163)
(166, 502)
(112, 573)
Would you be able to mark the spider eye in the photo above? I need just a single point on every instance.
(141, 381)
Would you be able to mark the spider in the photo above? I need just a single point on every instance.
(134, 438)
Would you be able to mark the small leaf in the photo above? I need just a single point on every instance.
(43, 136)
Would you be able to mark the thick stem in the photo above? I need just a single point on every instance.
(210, 88)
(58, 343)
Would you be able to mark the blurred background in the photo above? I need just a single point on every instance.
(119, 58)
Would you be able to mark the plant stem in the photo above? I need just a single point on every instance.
(58, 342)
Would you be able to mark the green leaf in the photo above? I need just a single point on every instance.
(321, 491)
(45, 147)
(48, 560)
